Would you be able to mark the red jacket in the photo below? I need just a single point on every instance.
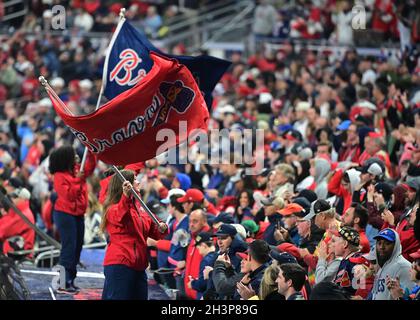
(128, 230)
(409, 243)
(72, 195)
(13, 225)
(192, 265)
(104, 189)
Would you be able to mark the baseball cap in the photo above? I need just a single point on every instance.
(415, 255)
(386, 234)
(193, 195)
(250, 226)
(242, 255)
(265, 172)
(292, 209)
(385, 189)
(293, 135)
(227, 109)
(184, 180)
(171, 193)
(344, 125)
(15, 182)
(289, 248)
(21, 193)
(155, 206)
(275, 146)
(282, 257)
(308, 194)
(371, 256)
(412, 184)
(349, 234)
(226, 230)
(223, 217)
(273, 201)
(284, 128)
(303, 202)
(240, 175)
(319, 206)
(203, 237)
(373, 168)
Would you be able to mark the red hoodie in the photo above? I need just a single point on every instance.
(334, 186)
(409, 243)
(72, 195)
(128, 230)
(192, 264)
(13, 225)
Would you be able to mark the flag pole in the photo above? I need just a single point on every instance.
(98, 102)
(48, 88)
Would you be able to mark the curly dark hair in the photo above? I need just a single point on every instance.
(62, 159)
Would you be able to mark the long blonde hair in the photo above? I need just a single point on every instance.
(268, 282)
(114, 194)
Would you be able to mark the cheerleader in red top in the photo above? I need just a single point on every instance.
(128, 227)
(69, 208)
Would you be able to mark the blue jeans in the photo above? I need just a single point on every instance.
(72, 232)
(124, 283)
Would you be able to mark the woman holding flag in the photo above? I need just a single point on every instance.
(128, 228)
(69, 208)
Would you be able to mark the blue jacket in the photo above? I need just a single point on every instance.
(237, 245)
(200, 285)
(162, 256)
(294, 235)
(179, 242)
(269, 232)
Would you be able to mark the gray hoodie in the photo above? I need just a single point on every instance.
(322, 168)
(396, 266)
(354, 177)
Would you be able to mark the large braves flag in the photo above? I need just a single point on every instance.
(128, 61)
(125, 129)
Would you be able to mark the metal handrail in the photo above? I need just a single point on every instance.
(207, 8)
(56, 251)
(205, 16)
(14, 14)
(201, 29)
(233, 24)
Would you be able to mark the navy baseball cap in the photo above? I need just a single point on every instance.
(387, 234)
(223, 217)
(226, 230)
(203, 237)
(282, 257)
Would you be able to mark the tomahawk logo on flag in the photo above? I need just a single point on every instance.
(124, 130)
(128, 61)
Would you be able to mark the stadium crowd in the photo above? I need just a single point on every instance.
(334, 214)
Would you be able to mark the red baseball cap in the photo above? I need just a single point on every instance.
(193, 195)
(375, 135)
(242, 255)
(415, 255)
(290, 248)
(292, 208)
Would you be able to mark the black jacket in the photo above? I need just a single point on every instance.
(225, 280)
